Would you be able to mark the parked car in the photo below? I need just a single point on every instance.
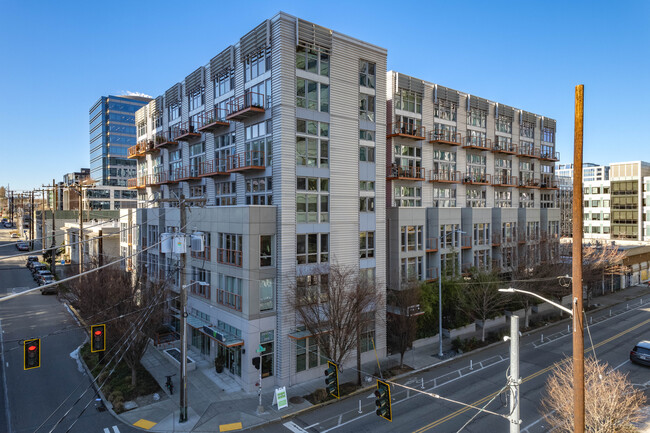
(14, 235)
(36, 267)
(641, 353)
(22, 246)
(31, 260)
(39, 274)
(49, 290)
(45, 279)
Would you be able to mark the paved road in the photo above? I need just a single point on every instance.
(414, 412)
(32, 398)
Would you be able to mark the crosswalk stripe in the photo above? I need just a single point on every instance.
(115, 429)
(294, 427)
(106, 430)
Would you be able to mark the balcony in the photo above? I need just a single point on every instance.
(405, 130)
(246, 161)
(445, 176)
(477, 179)
(549, 182)
(477, 143)
(431, 245)
(529, 183)
(521, 236)
(466, 269)
(445, 137)
(549, 155)
(507, 148)
(396, 172)
(162, 139)
(138, 150)
(496, 239)
(229, 257)
(187, 173)
(158, 178)
(529, 151)
(466, 242)
(245, 106)
(229, 299)
(173, 176)
(214, 167)
(149, 146)
(503, 180)
(136, 183)
(432, 274)
(186, 131)
(213, 120)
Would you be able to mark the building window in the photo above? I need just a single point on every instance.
(445, 110)
(366, 185)
(266, 250)
(444, 164)
(312, 61)
(476, 197)
(223, 83)
(366, 245)
(312, 95)
(407, 100)
(173, 112)
(445, 132)
(548, 135)
(444, 197)
(197, 99)
(175, 164)
(407, 196)
(366, 204)
(259, 191)
(367, 74)
(366, 154)
(229, 293)
(365, 134)
(366, 107)
(142, 129)
(476, 117)
(482, 259)
(526, 173)
(201, 290)
(224, 146)
(312, 200)
(504, 124)
(225, 193)
(367, 332)
(411, 238)
(266, 341)
(205, 254)
(526, 199)
(197, 158)
(308, 354)
(229, 249)
(312, 248)
(449, 236)
(266, 294)
(256, 65)
(408, 159)
(312, 143)
(449, 264)
(411, 269)
(527, 129)
(548, 200)
(482, 234)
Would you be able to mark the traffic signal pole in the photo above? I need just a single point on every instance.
(514, 375)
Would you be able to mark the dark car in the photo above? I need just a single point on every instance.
(641, 353)
(22, 246)
(37, 267)
(31, 260)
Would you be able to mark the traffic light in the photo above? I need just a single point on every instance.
(98, 338)
(32, 354)
(332, 379)
(382, 394)
(256, 362)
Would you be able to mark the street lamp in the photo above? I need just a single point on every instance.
(183, 394)
(555, 304)
(440, 354)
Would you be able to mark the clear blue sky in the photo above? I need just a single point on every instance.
(57, 58)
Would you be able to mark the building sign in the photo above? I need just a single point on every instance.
(280, 398)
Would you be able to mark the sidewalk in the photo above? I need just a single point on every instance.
(217, 403)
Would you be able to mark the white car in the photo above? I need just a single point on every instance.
(14, 235)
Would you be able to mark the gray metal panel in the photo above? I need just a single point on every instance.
(222, 62)
(480, 103)
(255, 41)
(156, 106)
(313, 36)
(549, 123)
(141, 115)
(409, 83)
(446, 94)
(195, 81)
(173, 95)
(528, 117)
(507, 111)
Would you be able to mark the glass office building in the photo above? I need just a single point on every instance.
(112, 132)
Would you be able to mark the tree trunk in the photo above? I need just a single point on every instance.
(483, 331)
(358, 357)
(401, 359)
(133, 376)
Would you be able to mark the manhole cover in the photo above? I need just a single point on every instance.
(296, 400)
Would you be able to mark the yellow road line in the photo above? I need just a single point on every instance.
(529, 377)
(230, 427)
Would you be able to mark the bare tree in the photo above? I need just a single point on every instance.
(403, 308)
(611, 403)
(335, 305)
(481, 299)
(130, 307)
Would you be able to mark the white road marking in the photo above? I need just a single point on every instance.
(292, 426)
(115, 429)
(106, 430)
(4, 380)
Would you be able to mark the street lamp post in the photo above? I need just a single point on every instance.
(457, 231)
(183, 395)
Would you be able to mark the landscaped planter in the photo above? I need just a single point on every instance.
(491, 323)
(175, 355)
(459, 332)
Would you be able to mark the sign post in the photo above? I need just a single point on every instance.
(260, 408)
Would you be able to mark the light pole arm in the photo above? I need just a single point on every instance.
(555, 304)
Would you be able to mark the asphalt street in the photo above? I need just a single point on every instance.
(480, 384)
(49, 398)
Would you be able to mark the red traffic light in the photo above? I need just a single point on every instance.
(98, 340)
(32, 354)
(98, 333)
(32, 348)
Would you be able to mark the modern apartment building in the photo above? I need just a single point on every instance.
(590, 171)
(283, 134)
(597, 209)
(112, 132)
(470, 182)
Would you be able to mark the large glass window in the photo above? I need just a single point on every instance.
(476, 197)
(412, 238)
(444, 196)
(366, 245)
(223, 83)
(229, 249)
(504, 124)
(266, 294)
(411, 268)
(229, 293)
(312, 248)
(256, 65)
(407, 196)
(312, 95)
(266, 341)
(312, 61)
(527, 129)
(312, 200)
(197, 98)
(366, 107)
(445, 110)
(312, 143)
(407, 100)
(367, 73)
(259, 191)
(197, 158)
(476, 117)
(225, 193)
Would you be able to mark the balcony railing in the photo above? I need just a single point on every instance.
(504, 180)
(136, 182)
(529, 151)
(445, 176)
(477, 179)
(229, 299)
(164, 139)
(548, 155)
(229, 257)
(249, 160)
(149, 146)
(187, 173)
(245, 106)
(529, 183)
(509, 148)
(431, 245)
(214, 167)
(186, 131)
(466, 242)
(445, 137)
(549, 182)
(466, 268)
(158, 178)
(406, 130)
(404, 173)
(213, 120)
(477, 143)
(496, 264)
(432, 274)
(137, 151)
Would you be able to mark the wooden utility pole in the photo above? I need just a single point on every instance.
(53, 245)
(578, 331)
(32, 221)
(81, 231)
